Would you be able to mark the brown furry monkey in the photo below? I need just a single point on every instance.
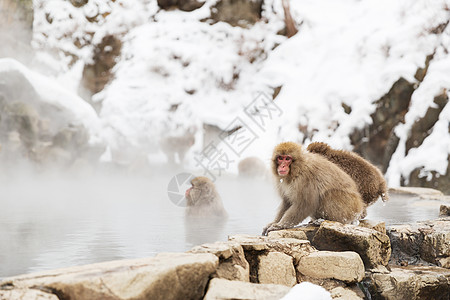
(310, 185)
(203, 200)
(369, 179)
(252, 167)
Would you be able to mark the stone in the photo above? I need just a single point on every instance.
(232, 262)
(293, 233)
(444, 210)
(226, 289)
(375, 225)
(374, 247)
(165, 276)
(427, 193)
(256, 246)
(276, 268)
(241, 13)
(341, 293)
(412, 282)
(345, 266)
(25, 294)
(421, 242)
(293, 247)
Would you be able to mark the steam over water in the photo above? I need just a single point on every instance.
(56, 221)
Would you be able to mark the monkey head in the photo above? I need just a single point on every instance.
(286, 160)
(318, 147)
(201, 192)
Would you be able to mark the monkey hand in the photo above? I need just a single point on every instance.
(265, 229)
(273, 227)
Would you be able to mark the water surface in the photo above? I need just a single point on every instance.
(49, 222)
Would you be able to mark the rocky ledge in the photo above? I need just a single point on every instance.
(368, 261)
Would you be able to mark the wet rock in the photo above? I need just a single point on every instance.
(412, 282)
(345, 266)
(241, 13)
(421, 243)
(293, 233)
(227, 290)
(25, 294)
(276, 268)
(374, 247)
(232, 262)
(166, 276)
(377, 142)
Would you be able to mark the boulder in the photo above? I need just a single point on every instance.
(294, 233)
(341, 293)
(412, 282)
(423, 242)
(242, 13)
(257, 246)
(345, 266)
(165, 276)
(226, 290)
(25, 294)
(232, 262)
(374, 247)
(444, 210)
(276, 268)
(375, 225)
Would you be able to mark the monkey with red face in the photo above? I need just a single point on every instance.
(310, 185)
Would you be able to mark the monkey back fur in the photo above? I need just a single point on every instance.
(369, 179)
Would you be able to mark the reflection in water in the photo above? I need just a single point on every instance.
(51, 222)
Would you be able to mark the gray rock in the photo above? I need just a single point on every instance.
(232, 262)
(166, 276)
(345, 266)
(276, 268)
(412, 282)
(226, 290)
(374, 247)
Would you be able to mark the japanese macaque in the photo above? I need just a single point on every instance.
(174, 146)
(310, 185)
(252, 167)
(203, 200)
(369, 179)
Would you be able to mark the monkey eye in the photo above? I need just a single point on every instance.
(284, 158)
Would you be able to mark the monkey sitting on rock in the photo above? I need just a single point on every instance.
(203, 200)
(311, 185)
(369, 179)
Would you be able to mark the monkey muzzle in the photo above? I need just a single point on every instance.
(283, 162)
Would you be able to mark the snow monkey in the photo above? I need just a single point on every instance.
(252, 167)
(369, 179)
(203, 199)
(310, 185)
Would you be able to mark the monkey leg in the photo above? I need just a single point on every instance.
(341, 206)
(284, 206)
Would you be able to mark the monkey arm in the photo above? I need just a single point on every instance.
(281, 211)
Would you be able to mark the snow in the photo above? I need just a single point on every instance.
(346, 51)
(307, 291)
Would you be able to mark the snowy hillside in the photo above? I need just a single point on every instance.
(182, 73)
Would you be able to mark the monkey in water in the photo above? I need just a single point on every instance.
(369, 179)
(203, 200)
(310, 185)
(252, 167)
